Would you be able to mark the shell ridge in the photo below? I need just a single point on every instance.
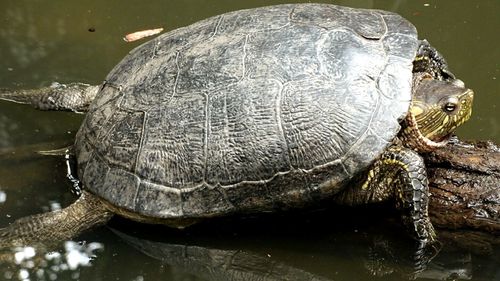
(362, 136)
(386, 28)
(245, 54)
(217, 25)
(174, 90)
(141, 143)
(206, 135)
(279, 104)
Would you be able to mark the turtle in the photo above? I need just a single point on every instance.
(258, 110)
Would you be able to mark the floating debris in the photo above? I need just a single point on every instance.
(131, 37)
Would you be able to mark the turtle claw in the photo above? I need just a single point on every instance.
(385, 256)
(419, 227)
(425, 252)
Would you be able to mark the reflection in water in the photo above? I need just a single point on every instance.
(27, 264)
(274, 248)
(219, 264)
(378, 256)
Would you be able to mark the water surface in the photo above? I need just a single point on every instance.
(68, 41)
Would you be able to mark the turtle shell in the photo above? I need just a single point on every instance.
(253, 110)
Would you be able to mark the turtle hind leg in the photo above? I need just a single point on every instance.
(48, 228)
(71, 97)
(398, 175)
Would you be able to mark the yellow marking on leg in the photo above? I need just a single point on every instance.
(396, 162)
(371, 174)
(388, 162)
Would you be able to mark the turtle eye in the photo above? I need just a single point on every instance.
(450, 105)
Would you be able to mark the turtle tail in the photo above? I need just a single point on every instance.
(71, 97)
(48, 228)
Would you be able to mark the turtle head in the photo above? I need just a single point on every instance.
(437, 109)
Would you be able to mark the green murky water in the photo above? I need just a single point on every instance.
(68, 41)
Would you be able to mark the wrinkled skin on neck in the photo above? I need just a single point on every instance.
(437, 109)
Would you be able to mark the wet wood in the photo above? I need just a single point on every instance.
(464, 180)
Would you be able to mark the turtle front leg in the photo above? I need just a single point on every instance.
(399, 175)
(429, 60)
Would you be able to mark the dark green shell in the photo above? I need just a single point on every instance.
(252, 110)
